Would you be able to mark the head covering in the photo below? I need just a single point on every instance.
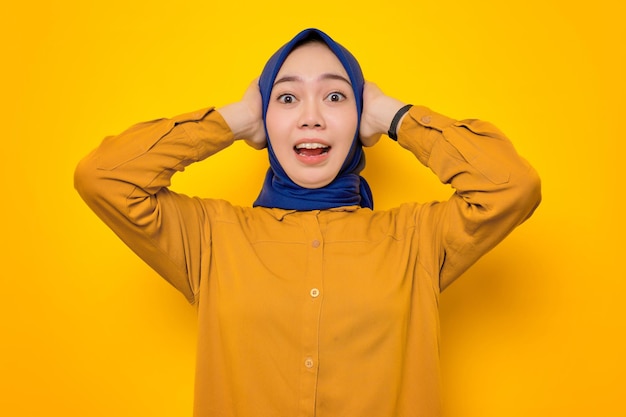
(348, 188)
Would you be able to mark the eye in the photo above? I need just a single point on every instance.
(286, 98)
(336, 96)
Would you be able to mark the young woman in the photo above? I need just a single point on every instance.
(310, 302)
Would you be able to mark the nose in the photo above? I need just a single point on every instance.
(311, 115)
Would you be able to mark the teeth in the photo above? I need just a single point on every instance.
(310, 146)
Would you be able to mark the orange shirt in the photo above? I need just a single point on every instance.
(319, 313)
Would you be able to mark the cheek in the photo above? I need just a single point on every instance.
(345, 126)
(276, 126)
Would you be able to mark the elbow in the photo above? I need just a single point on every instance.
(86, 179)
(529, 193)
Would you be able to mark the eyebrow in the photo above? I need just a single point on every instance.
(325, 76)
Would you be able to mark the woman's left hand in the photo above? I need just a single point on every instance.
(378, 112)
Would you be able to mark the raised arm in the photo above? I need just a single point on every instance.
(495, 188)
(125, 182)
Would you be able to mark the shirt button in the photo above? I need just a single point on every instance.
(308, 362)
(315, 243)
(426, 119)
(315, 292)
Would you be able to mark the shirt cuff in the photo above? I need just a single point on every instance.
(208, 131)
(420, 129)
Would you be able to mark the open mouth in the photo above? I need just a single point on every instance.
(311, 149)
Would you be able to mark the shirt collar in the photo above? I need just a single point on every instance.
(280, 214)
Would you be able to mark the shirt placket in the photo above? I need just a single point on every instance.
(313, 295)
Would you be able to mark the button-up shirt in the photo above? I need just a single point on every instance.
(312, 313)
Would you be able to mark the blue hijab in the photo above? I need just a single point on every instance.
(348, 188)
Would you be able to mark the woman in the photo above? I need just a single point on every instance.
(310, 302)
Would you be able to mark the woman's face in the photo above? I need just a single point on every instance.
(311, 117)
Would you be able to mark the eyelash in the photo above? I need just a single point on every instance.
(338, 93)
(281, 98)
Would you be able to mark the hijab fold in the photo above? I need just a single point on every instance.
(348, 188)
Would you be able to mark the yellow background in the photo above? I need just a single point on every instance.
(537, 327)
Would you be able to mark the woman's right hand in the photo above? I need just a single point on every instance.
(245, 119)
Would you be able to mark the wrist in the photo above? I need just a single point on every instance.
(238, 119)
(386, 113)
(396, 121)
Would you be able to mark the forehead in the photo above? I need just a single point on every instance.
(312, 58)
